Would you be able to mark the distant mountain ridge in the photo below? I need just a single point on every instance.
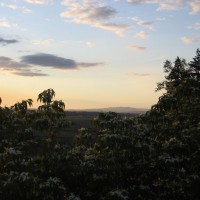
(116, 109)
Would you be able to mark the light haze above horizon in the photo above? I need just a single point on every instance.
(93, 53)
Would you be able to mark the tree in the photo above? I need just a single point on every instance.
(46, 96)
(22, 107)
(52, 116)
(195, 65)
(174, 123)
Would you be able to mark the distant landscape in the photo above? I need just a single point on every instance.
(116, 109)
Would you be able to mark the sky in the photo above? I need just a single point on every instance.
(93, 53)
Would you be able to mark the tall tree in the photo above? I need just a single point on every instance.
(195, 65)
(46, 96)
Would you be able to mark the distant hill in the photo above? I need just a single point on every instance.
(117, 110)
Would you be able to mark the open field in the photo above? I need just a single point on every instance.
(78, 120)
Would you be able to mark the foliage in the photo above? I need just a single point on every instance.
(152, 156)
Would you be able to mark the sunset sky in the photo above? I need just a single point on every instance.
(93, 53)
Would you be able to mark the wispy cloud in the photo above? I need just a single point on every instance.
(46, 42)
(118, 29)
(90, 44)
(162, 4)
(7, 41)
(137, 74)
(142, 35)
(136, 48)
(195, 5)
(11, 6)
(4, 23)
(94, 14)
(170, 4)
(146, 24)
(160, 18)
(40, 2)
(26, 10)
(187, 40)
(196, 26)
(49, 42)
(15, 7)
(176, 5)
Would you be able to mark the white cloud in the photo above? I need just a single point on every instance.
(165, 6)
(41, 2)
(4, 23)
(195, 5)
(94, 14)
(46, 42)
(146, 24)
(26, 10)
(159, 2)
(187, 40)
(160, 18)
(14, 7)
(11, 6)
(89, 14)
(90, 44)
(118, 29)
(71, 3)
(142, 35)
(196, 26)
(136, 48)
(17, 27)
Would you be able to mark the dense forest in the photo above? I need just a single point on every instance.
(153, 156)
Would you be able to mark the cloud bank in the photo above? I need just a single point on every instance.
(53, 61)
(17, 68)
(28, 64)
